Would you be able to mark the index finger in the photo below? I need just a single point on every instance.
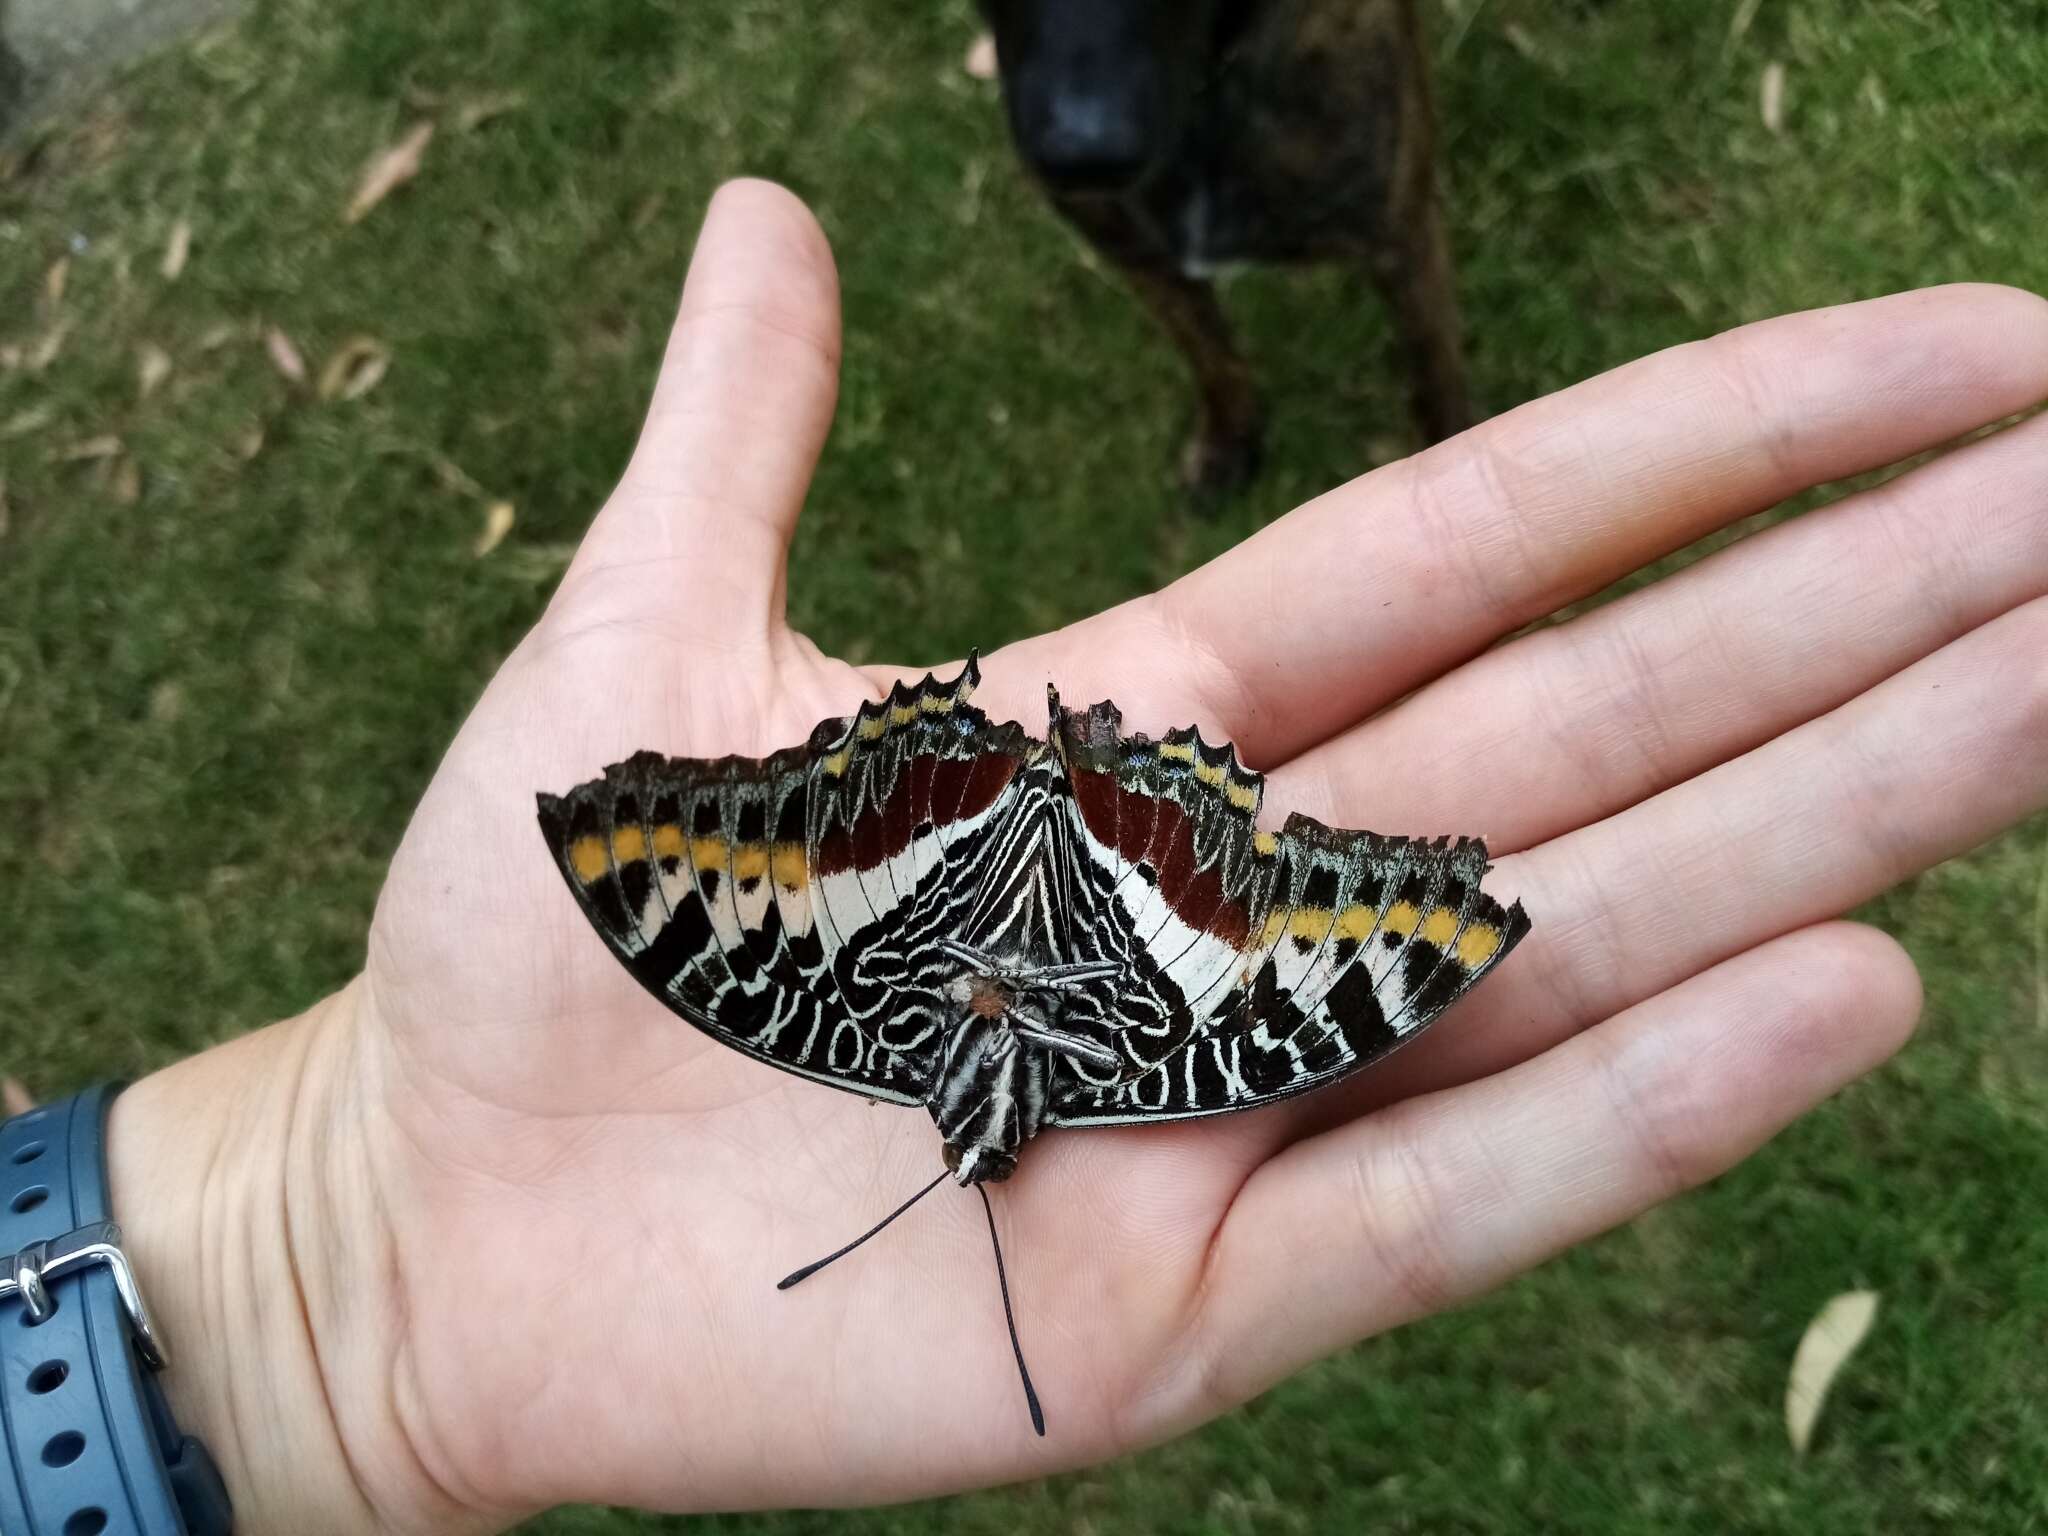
(1391, 579)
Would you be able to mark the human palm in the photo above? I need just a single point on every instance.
(588, 1201)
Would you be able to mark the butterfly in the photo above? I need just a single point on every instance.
(928, 909)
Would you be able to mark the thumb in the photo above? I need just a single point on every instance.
(699, 526)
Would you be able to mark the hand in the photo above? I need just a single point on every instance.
(535, 1221)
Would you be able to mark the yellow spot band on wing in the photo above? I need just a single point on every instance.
(935, 703)
(1309, 923)
(589, 857)
(871, 730)
(836, 763)
(1443, 922)
(1177, 751)
(1355, 923)
(1264, 844)
(1477, 945)
(749, 861)
(668, 841)
(1402, 918)
(788, 866)
(1209, 773)
(903, 714)
(629, 845)
(707, 852)
(1245, 798)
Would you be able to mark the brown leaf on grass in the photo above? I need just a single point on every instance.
(126, 484)
(152, 367)
(23, 422)
(1771, 97)
(647, 210)
(389, 168)
(453, 477)
(55, 281)
(44, 352)
(355, 368)
(14, 1097)
(498, 518)
(177, 250)
(105, 446)
(981, 57)
(284, 357)
(1830, 1339)
(478, 110)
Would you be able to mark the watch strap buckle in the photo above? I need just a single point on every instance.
(96, 1244)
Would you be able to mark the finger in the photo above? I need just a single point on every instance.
(1366, 592)
(1569, 724)
(1425, 1205)
(1923, 767)
(702, 519)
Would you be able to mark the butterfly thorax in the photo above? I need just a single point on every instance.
(1006, 1038)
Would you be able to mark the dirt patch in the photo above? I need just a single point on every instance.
(51, 49)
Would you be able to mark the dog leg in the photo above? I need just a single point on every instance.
(1412, 268)
(1223, 455)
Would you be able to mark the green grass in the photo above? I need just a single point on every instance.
(218, 703)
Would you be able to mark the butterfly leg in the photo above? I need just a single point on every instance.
(1032, 1032)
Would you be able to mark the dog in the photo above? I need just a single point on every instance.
(1181, 135)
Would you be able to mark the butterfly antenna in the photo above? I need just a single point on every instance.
(811, 1269)
(1003, 1280)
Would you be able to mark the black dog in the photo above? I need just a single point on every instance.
(1179, 135)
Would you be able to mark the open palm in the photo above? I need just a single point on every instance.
(588, 1201)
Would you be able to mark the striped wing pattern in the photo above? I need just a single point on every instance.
(786, 905)
(795, 906)
(1257, 964)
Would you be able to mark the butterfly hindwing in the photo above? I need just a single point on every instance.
(1256, 965)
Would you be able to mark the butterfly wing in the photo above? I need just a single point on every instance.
(1255, 965)
(788, 905)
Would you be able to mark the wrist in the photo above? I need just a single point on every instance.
(241, 1180)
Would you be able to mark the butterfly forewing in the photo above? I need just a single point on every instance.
(1262, 964)
(788, 905)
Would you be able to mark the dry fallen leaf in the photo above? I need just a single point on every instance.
(55, 281)
(105, 446)
(497, 523)
(22, 423)
(981, 57)
(284, 356)
(647, 210)
(1830, 1339)
(389, 168)
(479, 110)
(44, 352)
(1771, 96)
(354, 369)
(152, 367)
(177, 249)
(127, 483)
(14, 1098)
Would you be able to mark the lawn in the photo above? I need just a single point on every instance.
(238, 621)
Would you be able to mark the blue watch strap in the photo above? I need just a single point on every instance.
(89, 1444)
